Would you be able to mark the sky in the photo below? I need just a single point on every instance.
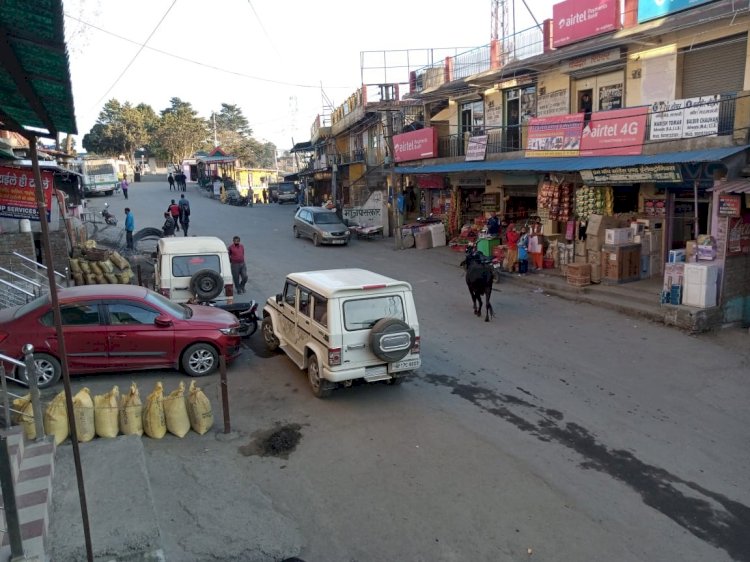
(280, 61)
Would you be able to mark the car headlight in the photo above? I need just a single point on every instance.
(230, 331)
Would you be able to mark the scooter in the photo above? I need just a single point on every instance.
(109, 218)
(246, 313)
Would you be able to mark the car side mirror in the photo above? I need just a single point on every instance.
(279, 299)
(163, 321)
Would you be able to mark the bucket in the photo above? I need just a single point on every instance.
(548, 263)
(24, 225)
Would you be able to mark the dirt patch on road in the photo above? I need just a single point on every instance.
(279, 441)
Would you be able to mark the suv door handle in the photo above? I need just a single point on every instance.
(356, 346)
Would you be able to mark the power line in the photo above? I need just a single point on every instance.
(143, 46)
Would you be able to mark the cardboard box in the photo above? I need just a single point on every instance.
(614, 236)
(638, 228)
(657, 265)
(654, 238)
(652, 224)
(691, 251)
(676, 256)
(594, 243)
(597, 224)
(580, 248)
(596, 272)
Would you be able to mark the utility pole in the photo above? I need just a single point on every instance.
(392, 178)
(216, 142)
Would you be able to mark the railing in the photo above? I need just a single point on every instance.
(28, 282)
(471, 62)
(353, 156)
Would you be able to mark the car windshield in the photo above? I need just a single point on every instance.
(361, 314)
(173, 308)
(326, 218)
(186, 266)
(31, 306)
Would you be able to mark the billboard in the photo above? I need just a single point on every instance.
(554, 136)
(576, 20)
(652, 9)
(617, 132)
(415, 145)
(17, 195)
(690, 117)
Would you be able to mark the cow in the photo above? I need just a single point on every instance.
(479, 278)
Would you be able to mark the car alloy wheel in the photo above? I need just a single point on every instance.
(200, 359)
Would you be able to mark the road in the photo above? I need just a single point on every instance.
(556, 432)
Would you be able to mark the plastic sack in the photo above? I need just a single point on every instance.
(25, 415)
(106, 413)
(131, 412)
(175, 412)
(199, 410)
(56, 419)
(154, 422)
(83, 410)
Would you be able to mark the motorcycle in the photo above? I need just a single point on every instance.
(109, 218)
(246, 313)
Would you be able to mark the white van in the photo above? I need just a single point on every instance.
(195, 267)
(342, 325)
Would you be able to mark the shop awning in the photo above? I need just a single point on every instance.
(731, 186)
(574, 164)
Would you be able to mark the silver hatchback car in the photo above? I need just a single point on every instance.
(322, 226)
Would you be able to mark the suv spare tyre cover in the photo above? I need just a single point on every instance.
(391, 339)
(206, 284)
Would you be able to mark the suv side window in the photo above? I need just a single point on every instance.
(304, 301)
(186, 266)
(320, 310)
(290, 293)
(361, 314)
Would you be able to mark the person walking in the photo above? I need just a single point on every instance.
(129, 228)
(124, 186)
(237, 263)
(185, 223)
(184, 206)
(170, 179)
(168, 226)
(265, 196)
(174, 210)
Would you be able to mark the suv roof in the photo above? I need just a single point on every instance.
(191, 245)
(326, 282)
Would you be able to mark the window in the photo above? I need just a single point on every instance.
(472, 118)
(122, 313)
(304, 301)
(361, 314)
(186, 266)
(320, 310)
(290, 293)
(82, 314)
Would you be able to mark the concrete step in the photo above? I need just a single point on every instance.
(33, 490)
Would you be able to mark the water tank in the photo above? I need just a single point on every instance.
(24, 225)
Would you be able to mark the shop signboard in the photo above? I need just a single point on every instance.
(594, 59)
(17, 193)
(554, 136)
(576, 20)
(430, 181)
(652, 9)
(415, 145)
(666, 173)
(729, 205)
(691, 117)
(553, 103)
(738, 236)
(364, 216)
(477, 148)
(617, 132)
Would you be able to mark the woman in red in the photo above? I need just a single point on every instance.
(511, 237)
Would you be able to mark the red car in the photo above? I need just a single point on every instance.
(114, 328)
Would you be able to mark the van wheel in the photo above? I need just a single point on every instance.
(296, 232)
(272, 342)
(206, 284)
(316, 240)
(319, 386)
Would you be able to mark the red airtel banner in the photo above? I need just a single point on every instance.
(576, 20)
(17, 196)
(615, 132)
(415, 145)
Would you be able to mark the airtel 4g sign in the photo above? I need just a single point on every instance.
(616, 132)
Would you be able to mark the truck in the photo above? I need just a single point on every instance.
(99, 175)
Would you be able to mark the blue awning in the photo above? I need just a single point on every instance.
(574, 164)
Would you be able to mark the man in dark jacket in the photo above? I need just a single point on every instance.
(169, 225)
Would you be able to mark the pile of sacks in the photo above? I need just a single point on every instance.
(110, 414)
(95, 266)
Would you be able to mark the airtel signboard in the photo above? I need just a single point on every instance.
(576, 20)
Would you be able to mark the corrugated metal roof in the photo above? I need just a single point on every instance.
(35, 88)
(731, 186)
(574, 164)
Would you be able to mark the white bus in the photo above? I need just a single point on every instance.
(100, 175)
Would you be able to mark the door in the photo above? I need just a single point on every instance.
(85, 336)
(512, 121)
(361, 314)
(304, 315)
(134, 340)
(288, 317)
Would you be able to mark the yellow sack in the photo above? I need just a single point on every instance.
(25, 415)
(119, 261)
(154, 422)
(199, 410)
(85, 268)
(56, 419)
(74, 265)
(107, 266)
(131, 412)
(175, 411)
(106, 413)
(95, 269)
(83, 410)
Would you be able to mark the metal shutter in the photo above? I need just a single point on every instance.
(714, 68)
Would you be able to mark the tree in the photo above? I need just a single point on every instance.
(179, 132)
(120, 129)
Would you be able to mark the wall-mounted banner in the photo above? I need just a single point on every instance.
(648, 173)
(372, 216)
(554, 136)
(576, 20)
(430, 181)
(616, 132)
(651, 9)
(415, 145)
(477, 148)
(729, 205)
(691, 117)
(553, 103)
(17, 195)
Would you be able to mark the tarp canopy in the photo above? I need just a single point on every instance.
(574, 164)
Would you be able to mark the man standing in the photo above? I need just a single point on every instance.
(170, 179)
(129, 228)
(169, 225)
(265, 196)
(124, 186)
(237, 263)
(184, 206)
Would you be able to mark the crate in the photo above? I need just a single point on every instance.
(577, 280)
(579, 269)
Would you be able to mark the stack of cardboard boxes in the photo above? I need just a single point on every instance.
(591, 251)
(649, 234)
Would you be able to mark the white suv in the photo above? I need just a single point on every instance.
(344, 324)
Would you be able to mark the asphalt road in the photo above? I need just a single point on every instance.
(556, 432)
